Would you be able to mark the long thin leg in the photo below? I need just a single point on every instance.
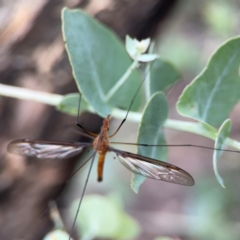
(83, 192)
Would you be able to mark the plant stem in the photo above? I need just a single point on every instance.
(120, 82)
(148, 75)
(32, 95)
(147, 82)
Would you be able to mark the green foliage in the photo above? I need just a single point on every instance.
(150, 131)
(209, 99)
(212, 95)
(163, 74)
(98, 60)
(222, 135)
(102, 217)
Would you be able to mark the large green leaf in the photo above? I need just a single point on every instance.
(163, 74)
(222, 135)
(98, 60)
(212, 95)
(150, 132)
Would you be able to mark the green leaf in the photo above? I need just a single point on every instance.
(98, 59)
(222, 135)
(212, 95)
(57, 235)
(102, 217)
(69, 104)
(150, 132)
(163, 74)
(137, 181)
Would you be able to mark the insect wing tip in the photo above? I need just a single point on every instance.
(18, 146)
(188, 179)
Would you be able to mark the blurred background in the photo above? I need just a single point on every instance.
(32, 56)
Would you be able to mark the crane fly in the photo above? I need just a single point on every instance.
(145, 166)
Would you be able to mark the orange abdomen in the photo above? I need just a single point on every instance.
(100, 166)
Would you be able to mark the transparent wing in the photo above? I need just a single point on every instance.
(46, 149)
(155, 169)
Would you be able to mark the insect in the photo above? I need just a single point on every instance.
(145, 166)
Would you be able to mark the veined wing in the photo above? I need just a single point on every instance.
(152, 168)
(46, 149)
